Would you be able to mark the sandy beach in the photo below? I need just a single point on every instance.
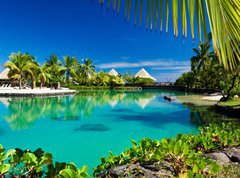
(35, 92)
(212, 98)
(199, 100)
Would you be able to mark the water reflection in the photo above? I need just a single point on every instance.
(24, 112)
(204, 115)
(92, 127)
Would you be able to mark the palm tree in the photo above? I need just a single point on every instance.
(87, 68)
(55, 69)
(53, 60)
(43, 74)
(223, 17)
(70, 64)
(20, 66)
(203, 57)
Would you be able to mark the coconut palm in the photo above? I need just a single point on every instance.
(70, 65)
(43, 74)
(223, 17)
(55, 69)
(53, 61)
(87, 69)
(203, 57)
(21, 66)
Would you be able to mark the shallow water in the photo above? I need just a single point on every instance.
(84, 127)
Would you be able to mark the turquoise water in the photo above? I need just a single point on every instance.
(84, 127)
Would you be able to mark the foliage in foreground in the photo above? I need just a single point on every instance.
(16, 162)
(184, 152)
(221, 15)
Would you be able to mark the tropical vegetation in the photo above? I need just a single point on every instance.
(25, 163)
(26, 71)
(183, 152)
(21, 67)
(208, 73)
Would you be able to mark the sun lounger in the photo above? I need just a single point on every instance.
(2, 87)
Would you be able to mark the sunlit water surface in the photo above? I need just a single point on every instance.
(84, 127)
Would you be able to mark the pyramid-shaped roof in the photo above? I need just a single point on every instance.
(143, 102)
(113, 72)
(144, 74)
(4, 74)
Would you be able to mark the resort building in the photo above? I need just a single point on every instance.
(113, 72)
(144, 74)
(4, 75)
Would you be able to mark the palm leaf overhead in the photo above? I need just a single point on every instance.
(223, 17)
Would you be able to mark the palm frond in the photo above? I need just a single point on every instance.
(223, 17)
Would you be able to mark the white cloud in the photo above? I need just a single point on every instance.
(185, 68)
(165, 77)
(144, 63)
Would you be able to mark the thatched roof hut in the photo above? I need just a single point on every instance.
(144, 74)
(4, 74)
(113, 72)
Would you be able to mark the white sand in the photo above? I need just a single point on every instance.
(212, 98)
(35, 92)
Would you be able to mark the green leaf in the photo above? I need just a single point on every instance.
(214, 168)
(10, 153)
(67, 173)
(4, 168)
(177, 148)
(199, 176)
(190, 174)
(134, 143)
(185, 149)
(195, 168)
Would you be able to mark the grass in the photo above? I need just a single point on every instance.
(231, 103)
(82, 87)
(74, 87)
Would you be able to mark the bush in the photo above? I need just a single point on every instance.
(19, 163)
(184, 152)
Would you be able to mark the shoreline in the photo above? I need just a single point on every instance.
(212, 98)
(35, 92)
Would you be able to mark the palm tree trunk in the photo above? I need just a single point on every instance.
(67, 80)
(232, 86)
(58, 85)
(20, 83)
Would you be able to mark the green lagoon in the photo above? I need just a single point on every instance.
(84, 127)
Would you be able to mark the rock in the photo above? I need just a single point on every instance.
(221, 158)
(169, 98)
(161, 169)
(118, 171)
(233, 154)
(153, 170)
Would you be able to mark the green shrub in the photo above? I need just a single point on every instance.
(16, 162)
(183, 151)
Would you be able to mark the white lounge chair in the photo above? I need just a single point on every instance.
(9, 87)
(2, 87)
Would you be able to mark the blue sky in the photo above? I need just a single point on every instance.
(83, 28)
